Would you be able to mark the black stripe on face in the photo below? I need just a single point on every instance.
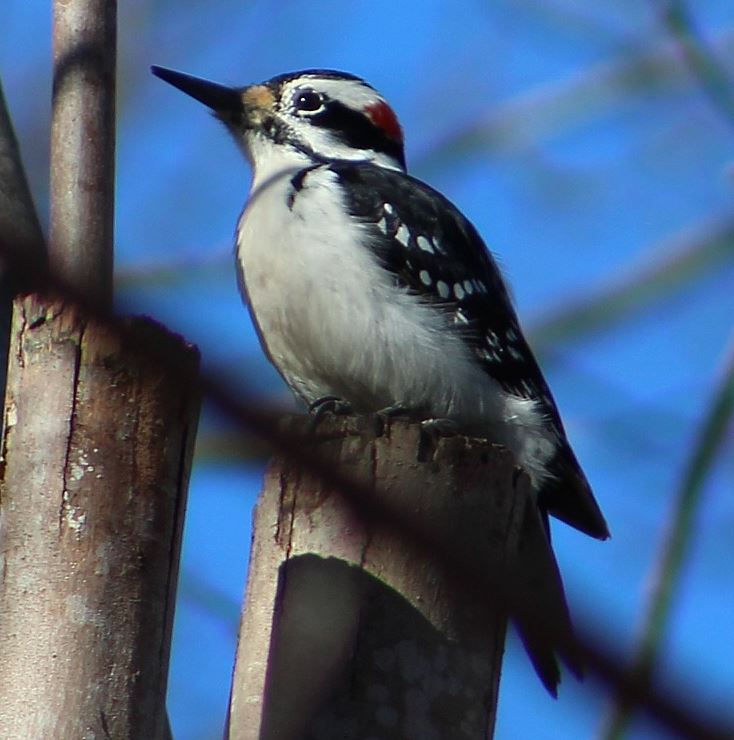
(356, 130)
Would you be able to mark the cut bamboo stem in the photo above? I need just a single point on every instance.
(349, 629)
(96, 452)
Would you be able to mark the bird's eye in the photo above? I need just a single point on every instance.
(308, 101)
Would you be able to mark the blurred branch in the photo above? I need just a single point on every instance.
(217, 604)
(675, 547)
(548, 109)
(172, 272)
(714, 78)
(230, 445)
(672, 265)
(582, 19)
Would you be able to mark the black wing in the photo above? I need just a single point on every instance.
(434, 251)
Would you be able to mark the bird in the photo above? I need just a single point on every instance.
(372, 292)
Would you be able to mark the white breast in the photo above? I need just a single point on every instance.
(332, 320)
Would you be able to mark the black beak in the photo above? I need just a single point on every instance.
(219, 98)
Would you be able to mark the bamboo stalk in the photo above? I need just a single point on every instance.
(345, 618)
(96, 452)
(83, 146)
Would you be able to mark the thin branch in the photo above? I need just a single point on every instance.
(546, 110)
(713, 77)
(216, 263)
(670, 266)
(210, 599)
(83, 145)
(677, 542)
(230, 446)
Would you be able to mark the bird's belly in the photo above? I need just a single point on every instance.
(318, 339)
(334, 322)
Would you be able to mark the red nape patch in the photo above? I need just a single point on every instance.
(381, 114)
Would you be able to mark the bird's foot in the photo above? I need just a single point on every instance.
(328, 405)
(435, 428)
(431, 431)
(392, 412)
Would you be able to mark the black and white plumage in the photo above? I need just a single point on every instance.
(367, 285)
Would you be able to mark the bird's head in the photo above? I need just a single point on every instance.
(313, 115)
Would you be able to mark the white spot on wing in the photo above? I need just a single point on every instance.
(425, 244)
(443, 289)
(387, 208)
(514, 353)
(459, 291)
(382, 225)
(468, 287)
(403, 235)
(425, 277)
(488, 355)
(460, 317)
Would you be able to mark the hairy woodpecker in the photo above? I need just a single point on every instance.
(370, 289)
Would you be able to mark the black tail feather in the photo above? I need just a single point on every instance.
(539, 604)
(567, 496)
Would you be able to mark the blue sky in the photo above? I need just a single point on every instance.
(596, 152)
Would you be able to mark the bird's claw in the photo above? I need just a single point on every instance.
(435, 428)
(431, 431)
(392, 411)
(328, 405)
